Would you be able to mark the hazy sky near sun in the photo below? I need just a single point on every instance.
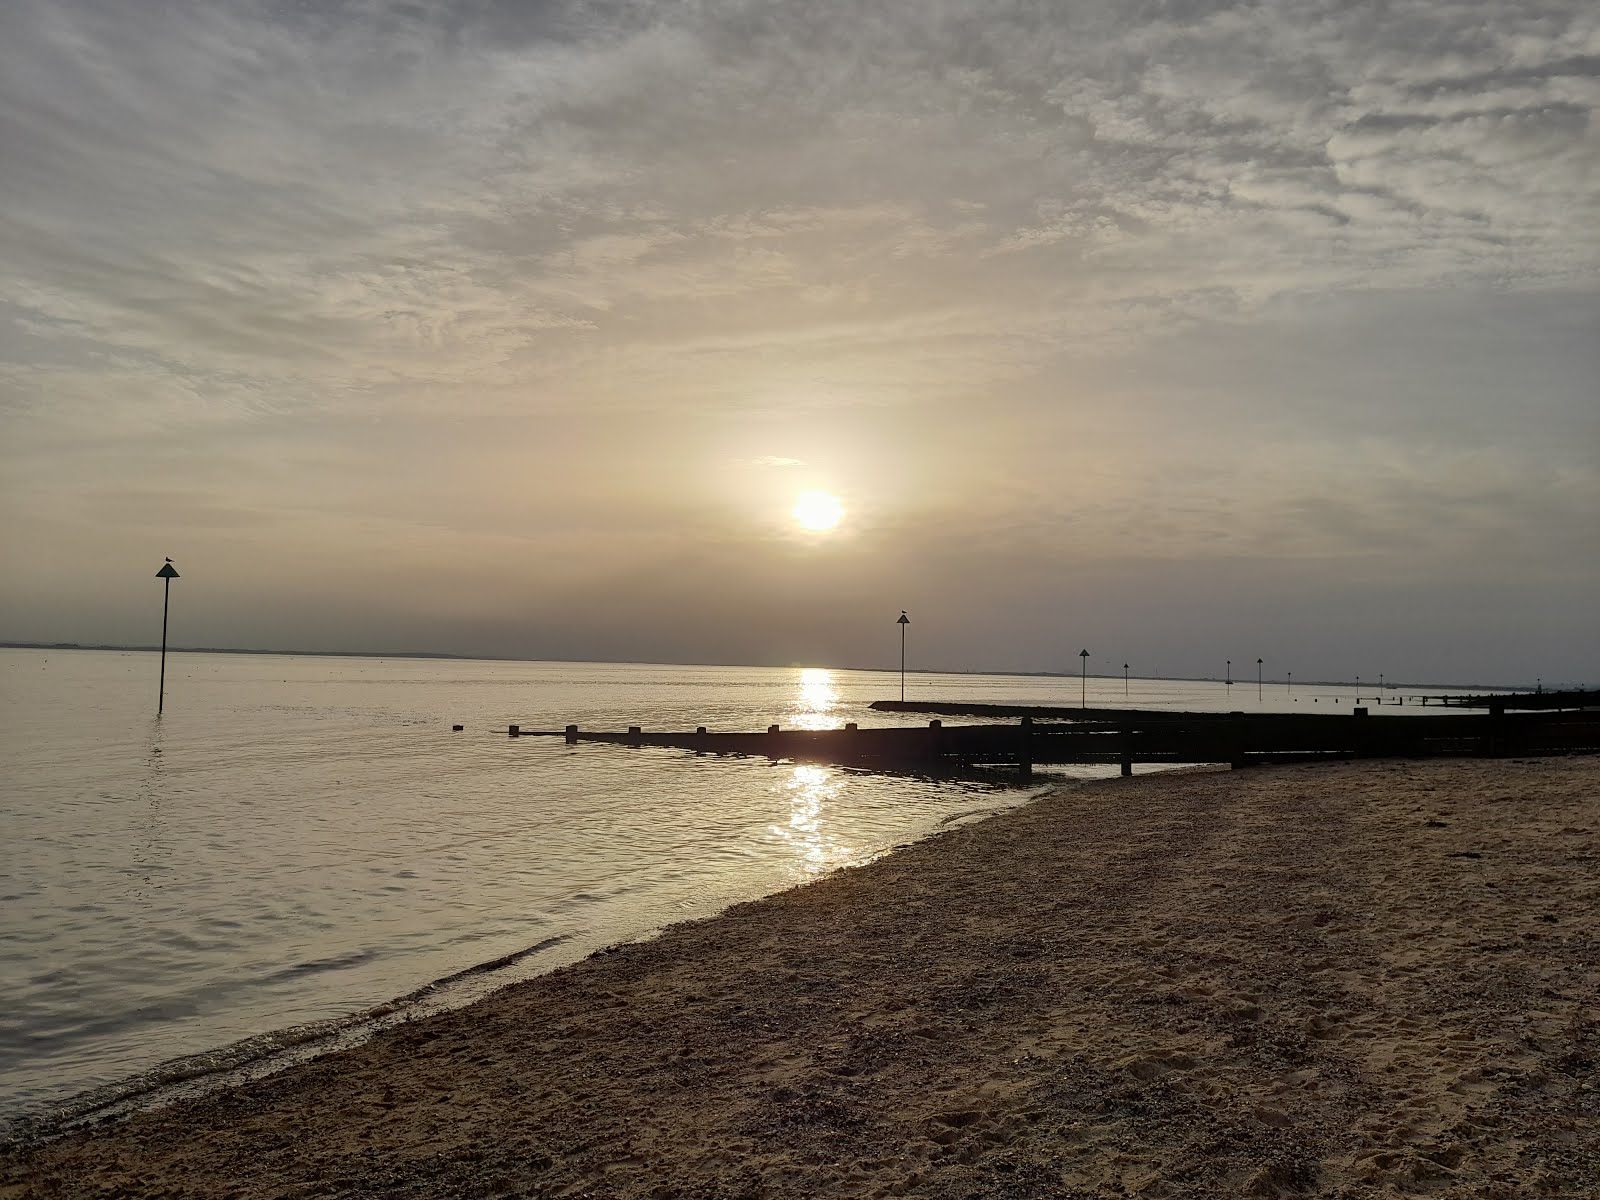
(1177, 331)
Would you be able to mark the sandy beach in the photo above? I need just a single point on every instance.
(1351, 980)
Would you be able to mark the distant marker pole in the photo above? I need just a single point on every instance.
(1083, 691)
(1124, 681)
(903, 622)
(1258, 681)
(166, 575)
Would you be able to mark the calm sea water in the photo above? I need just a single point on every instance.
(298, 841)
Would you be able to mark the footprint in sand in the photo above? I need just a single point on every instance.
(1156, 1064)
(1324, 1028)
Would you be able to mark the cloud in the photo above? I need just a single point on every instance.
(1039, 263)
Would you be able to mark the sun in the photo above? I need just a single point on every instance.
(817, 511)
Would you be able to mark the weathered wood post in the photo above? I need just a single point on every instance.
(513, 730)
(1127, 748)
(935, 738)
(1025, 748)
(1236, 758)
(1494, 738)
(633, 735)
(572, 735)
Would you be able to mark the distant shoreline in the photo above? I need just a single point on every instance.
(434, 654)
(237, 650)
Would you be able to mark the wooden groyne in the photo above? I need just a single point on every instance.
(1523, 701)
(1124, 737)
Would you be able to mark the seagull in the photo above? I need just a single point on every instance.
(169, 560)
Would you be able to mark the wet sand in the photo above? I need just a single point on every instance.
(1375, 979)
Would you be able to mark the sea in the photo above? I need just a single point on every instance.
(301, 850)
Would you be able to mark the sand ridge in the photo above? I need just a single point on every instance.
(1351, 980)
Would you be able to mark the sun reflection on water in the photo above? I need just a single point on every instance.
(817, 699)
(810, 791)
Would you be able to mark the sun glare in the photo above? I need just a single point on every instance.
(817, 511)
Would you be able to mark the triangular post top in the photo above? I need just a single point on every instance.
(1083, 654)
(166, 572)
(904, 620)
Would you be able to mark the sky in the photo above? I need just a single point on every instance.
(1178, 332)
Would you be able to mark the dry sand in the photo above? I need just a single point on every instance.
(1372, 979)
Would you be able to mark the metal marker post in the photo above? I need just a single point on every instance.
(1258, 681)
(166, 575)
(1124, 681)
(903, 622)
(1083, 691)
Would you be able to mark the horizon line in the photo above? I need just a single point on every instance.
(891, 670)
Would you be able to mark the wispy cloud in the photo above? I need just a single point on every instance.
(675, 235)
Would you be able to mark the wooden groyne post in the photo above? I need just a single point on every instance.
(1494, 738)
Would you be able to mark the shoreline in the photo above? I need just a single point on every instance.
(1325, 980)
(261, 1055)
(258, 1056)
